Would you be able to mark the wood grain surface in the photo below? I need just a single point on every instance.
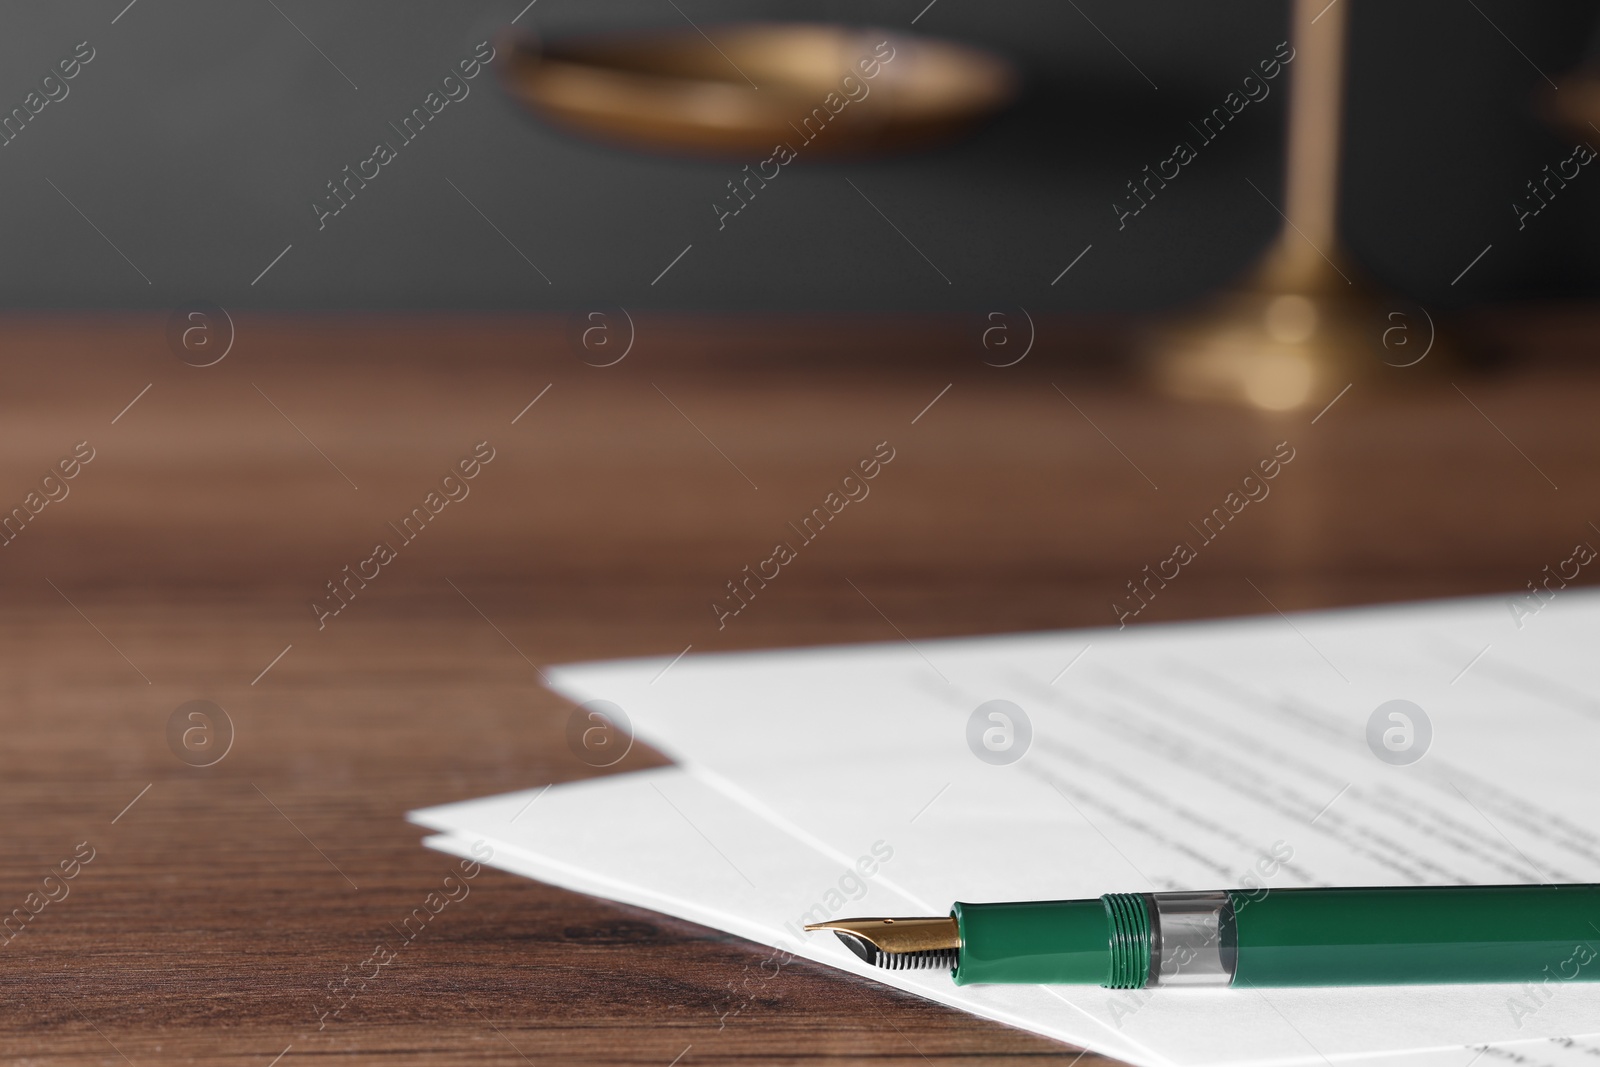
(182, 562)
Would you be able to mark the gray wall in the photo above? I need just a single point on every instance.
(201, 133)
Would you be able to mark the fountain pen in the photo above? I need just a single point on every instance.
(1260, 937)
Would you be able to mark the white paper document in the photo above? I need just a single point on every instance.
(664, 840)
(1260, 752)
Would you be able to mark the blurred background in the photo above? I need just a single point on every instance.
(200, 135)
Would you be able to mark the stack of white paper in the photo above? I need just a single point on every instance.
(866, 780)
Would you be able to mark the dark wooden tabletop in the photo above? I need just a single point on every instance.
(181, 563)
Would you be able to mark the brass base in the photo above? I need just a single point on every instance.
(1291, 339)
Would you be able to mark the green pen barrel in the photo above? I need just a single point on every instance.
(1105, 941)
(1289, 937)
(1373, 936)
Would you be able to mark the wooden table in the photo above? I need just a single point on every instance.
(183, 561)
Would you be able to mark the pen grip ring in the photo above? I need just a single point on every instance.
(1128, 919)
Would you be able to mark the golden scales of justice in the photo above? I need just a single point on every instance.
(1302, 327)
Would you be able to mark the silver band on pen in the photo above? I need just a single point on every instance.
(1193, 939)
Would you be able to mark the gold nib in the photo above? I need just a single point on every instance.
(899, 935)
(900, 944)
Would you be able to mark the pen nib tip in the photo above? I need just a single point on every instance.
(899, 944)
